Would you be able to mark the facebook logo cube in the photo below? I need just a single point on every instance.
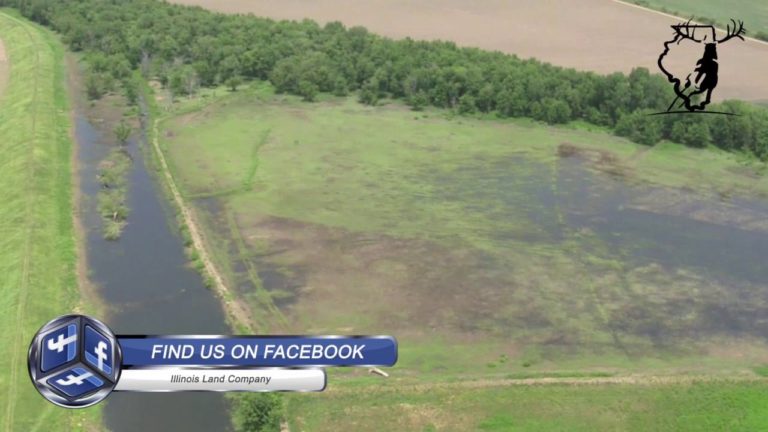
(98, 350)
(59, 347)
(75, 382)
(74, 361)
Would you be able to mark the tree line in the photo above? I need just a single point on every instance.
(186, 48)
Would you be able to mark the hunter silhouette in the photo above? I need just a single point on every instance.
(706, 69)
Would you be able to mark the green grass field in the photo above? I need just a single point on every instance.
(37, 261)
(461, 236)
(543, 408)
(754, 13)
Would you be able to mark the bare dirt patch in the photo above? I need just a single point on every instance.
(4, 67)
(598, 35)
(601, 160)
(375, 280)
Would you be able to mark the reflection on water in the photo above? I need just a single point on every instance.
(600, 260)
(551, 254)
(656, 233)
(145, 281)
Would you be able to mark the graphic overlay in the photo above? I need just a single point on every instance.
(174, 379)
(245, 363)
(74, 361)
(701, 82)
(258, 351)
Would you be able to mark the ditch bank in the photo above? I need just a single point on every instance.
(144, 279)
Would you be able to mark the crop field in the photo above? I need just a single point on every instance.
(598, 35)
(754, 13)
(519, 244)
(37, 269)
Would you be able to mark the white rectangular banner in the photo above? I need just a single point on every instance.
(253, 380)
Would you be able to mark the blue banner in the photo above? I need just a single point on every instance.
(258, 351)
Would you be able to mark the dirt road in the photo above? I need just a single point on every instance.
(237, 312)
(599, 35)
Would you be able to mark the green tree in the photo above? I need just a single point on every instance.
(307, 90)
(229, 68)
(131, 89)
(555, 111)
(95, 85)
(340, 87)
(234, 81)
(467, 104)
(257, 412)
(640, 127)
(185, 48)
(418, 101)
(485, 98)
(369, 93)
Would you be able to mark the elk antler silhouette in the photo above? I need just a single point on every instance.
(686, 31)
(735, 32)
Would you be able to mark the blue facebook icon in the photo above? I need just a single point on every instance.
(59, 347)
(75, 382)
(98, 350)
(74, 361)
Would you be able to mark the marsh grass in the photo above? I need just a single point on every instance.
(367, 200)
(114, 189)
(454, 234)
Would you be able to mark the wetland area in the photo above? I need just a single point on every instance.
(537, 277)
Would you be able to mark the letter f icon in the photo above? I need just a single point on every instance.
(101, 354)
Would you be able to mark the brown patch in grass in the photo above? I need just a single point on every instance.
(376, 281)
(566, 150)
(609, 163)
(602, 160)
(746, 171)
(754, 351)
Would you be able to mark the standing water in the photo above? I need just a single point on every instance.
(148, 287)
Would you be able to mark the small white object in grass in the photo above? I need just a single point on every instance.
(378, 371)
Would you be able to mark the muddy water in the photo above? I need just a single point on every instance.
(146, 283)
(721, 238)
(721, 242)
(667, 266)
(661, 225)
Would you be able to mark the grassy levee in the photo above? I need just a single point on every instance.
(37, 241)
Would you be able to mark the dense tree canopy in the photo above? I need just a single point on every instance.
(186, 48)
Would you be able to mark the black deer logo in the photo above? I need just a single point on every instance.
(703, 79)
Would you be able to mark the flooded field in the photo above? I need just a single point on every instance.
(584, 263)
(514, 238)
